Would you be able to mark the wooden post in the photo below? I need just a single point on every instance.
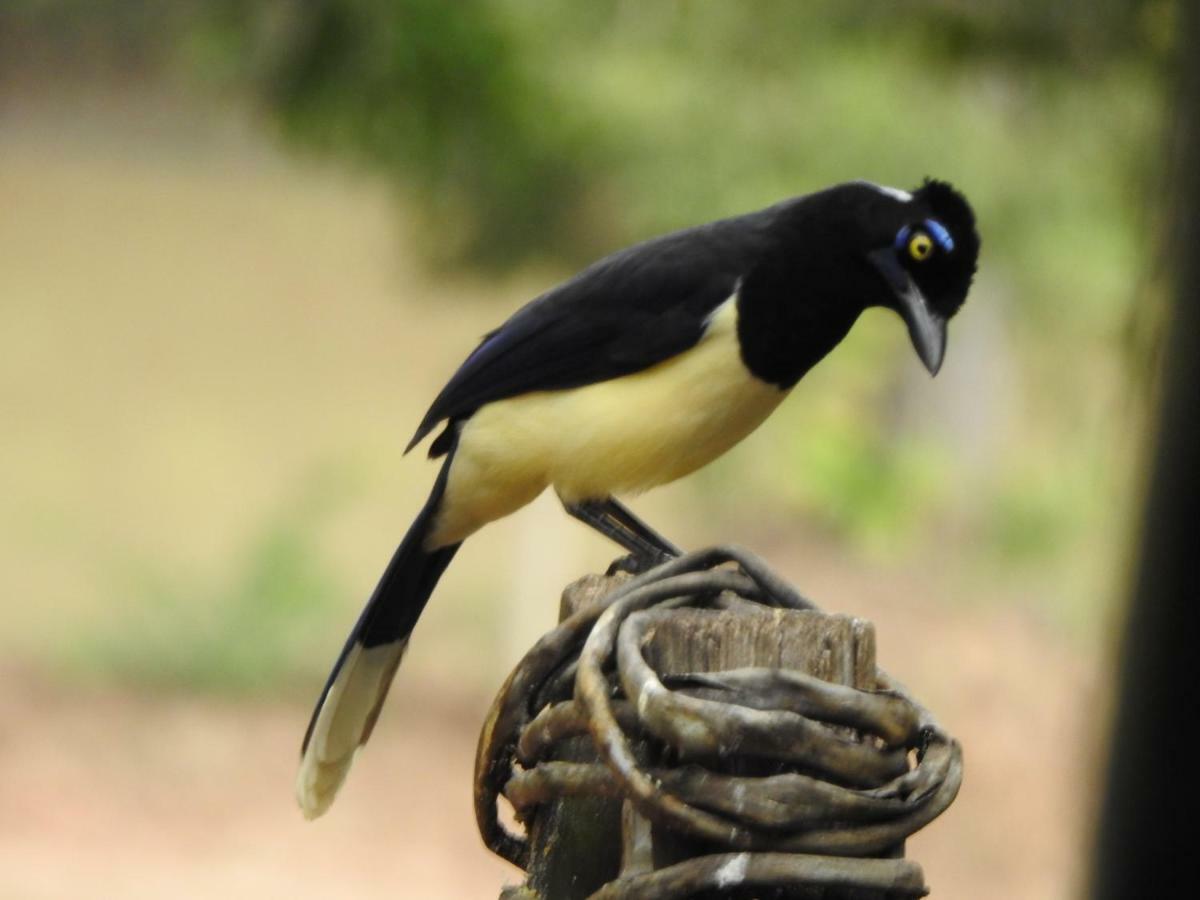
(580, 843)
(703, 730)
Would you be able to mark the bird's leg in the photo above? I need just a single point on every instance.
(594, 514)
(625, 516)
(622, 527)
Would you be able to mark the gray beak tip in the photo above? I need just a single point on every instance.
(934, 353)
(928, 333)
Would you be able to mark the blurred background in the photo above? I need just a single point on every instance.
(243, 244)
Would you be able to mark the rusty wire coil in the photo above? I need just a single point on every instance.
(831, 793)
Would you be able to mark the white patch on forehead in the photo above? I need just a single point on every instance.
(896, 193)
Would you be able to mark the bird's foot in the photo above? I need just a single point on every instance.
(637, 563)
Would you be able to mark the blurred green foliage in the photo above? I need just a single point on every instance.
(562, 129)
(518, 131)
(437, 94)
(241, 630)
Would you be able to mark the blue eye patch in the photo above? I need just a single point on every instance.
(936, 230)
(939, 233)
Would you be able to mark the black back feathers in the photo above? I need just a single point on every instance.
(623, 314)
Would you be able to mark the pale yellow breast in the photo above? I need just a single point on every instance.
(615, 437)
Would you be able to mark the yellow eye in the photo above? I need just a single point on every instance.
(920, 246)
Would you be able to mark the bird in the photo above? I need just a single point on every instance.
(642, 368)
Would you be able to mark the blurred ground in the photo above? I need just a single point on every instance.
(210, 357)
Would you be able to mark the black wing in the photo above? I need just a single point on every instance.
(623, 314)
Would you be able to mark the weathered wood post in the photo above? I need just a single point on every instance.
(702, 730)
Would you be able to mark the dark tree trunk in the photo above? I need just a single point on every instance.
(1144, 847)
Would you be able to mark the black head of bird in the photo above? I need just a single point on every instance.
(833, 254)
(642, 368)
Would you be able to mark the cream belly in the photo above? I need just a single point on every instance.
(615, 437)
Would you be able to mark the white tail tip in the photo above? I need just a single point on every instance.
(344, 722)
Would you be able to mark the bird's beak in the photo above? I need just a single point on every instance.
(926, 328)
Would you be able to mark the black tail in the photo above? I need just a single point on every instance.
(354, 693)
